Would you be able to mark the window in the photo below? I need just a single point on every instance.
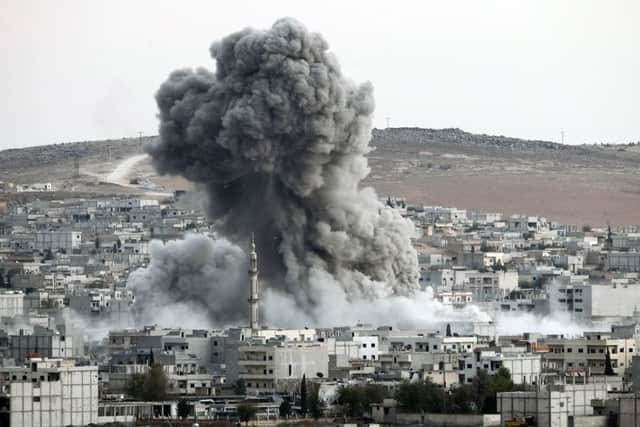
(621, 350)
(373, 345)
(364, 345)
(36, 398)
(364, 357)
(580, 350)
(289, 370)
(569, 350)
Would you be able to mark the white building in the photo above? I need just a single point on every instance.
(368, 347)
(525, 368)
(50, 393)
(57, 240)
(623, 261)
(558, 407)
(266, 368)
(598, 302)
(43, 342)
(11, 303)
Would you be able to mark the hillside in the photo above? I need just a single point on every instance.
(582, 184)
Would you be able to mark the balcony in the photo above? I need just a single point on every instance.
(254, 362)
(252, 376)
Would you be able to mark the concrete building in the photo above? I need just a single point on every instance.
(42, 342)
(58, 240)
(623, 261)
(266, 368)
(525, 368)
(587, 355)
(49, 393)
(599, 302)
(490, 286)
(368, 347)
(11, 303)
(561, 406)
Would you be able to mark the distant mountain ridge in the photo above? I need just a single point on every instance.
(417, 135)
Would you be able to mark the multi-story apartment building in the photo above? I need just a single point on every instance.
(11, 303)
(266, 368)
(42, 342)
(49, 393)
(58, 240)
(525, 367)
(587, 354)
(599, 302)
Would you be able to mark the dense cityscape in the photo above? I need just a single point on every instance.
(68, 322)
(213, 216)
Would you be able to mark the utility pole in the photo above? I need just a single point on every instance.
(140, 140)
(388, 119)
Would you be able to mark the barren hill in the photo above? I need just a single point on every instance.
(578, 184)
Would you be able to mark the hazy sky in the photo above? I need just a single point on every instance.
(78, 70)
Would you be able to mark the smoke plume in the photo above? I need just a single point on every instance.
(278, 137)
(191, 282)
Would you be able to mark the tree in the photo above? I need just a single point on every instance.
(135, 385)
(502, 381)
(351, 398)
(608, 367)
(420, 396)
(315, 404)
(460, 400)
(355, 400)
(481, 391)
(151, 386)
(240, 388)
(448, 333)
(285, 408)
(119, 244)
(184, 409)
(155, 386)
(303, 396)
(246, 412)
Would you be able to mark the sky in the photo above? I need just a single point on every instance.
(86, 70)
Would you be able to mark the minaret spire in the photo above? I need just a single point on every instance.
(253, 286)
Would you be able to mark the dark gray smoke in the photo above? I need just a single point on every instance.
(278, 137)
(192, 282)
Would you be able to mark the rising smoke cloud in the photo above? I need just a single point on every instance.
(278, 137)
(191, 282)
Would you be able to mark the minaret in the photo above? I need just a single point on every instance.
(253, 286)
